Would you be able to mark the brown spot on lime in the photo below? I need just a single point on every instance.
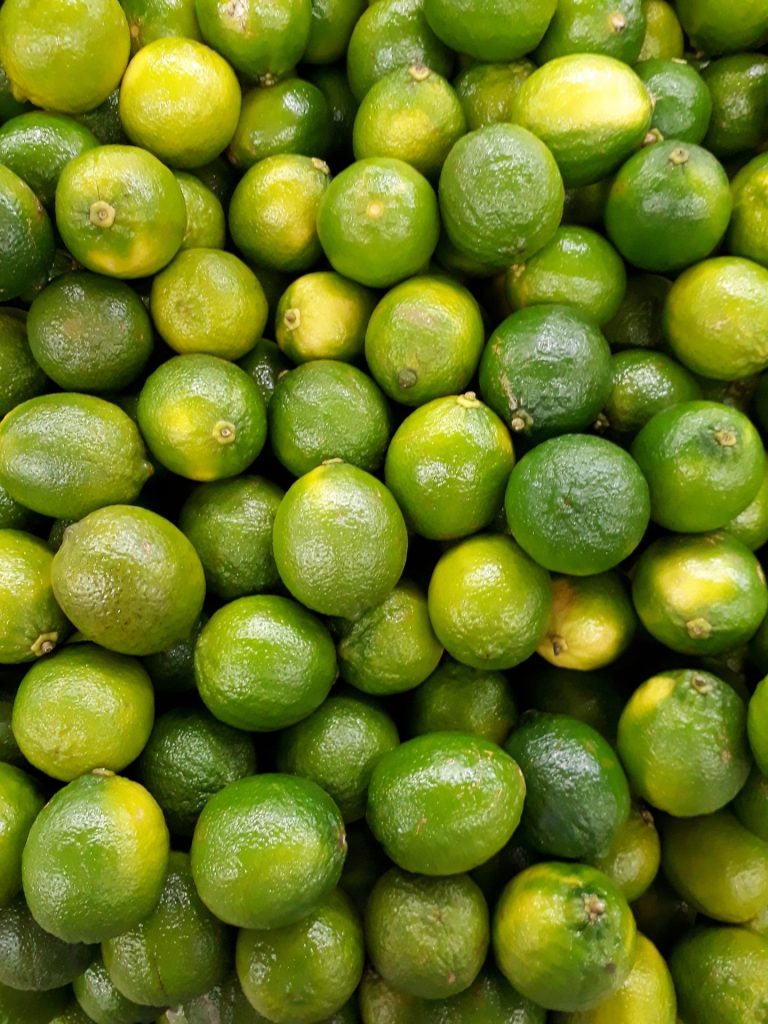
(101, 214)
(646, 816)
(419, 71)
(451, 978)
(292, 319)
(135, 29)
(45, 643)
(594, 907)
(610, 967)
(224, 432)
(559, 645)
(701, 684)
(698, 628)
(406, 378)
(726, 437)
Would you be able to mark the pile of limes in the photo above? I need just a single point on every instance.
(383, 497)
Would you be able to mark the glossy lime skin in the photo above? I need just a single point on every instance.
(737, 86)
(669, 206)
(33, 1007)
(20, 803)
(172, 670)
(32, 958)
(758, 734)
(515, 195)
(444, 803)
(569, 769)
(263, 663)
(746, 233)
(332, 82)
(680, 727)
(323, 316)
(486, 91)
(751, 805)
(645, 383)
(500, 30)
(25, 231)
(489, 602)
(14, 516)
(206, 223)
(32, 623)
(156, 19)
(22, 377)
(279, 828)
(720, 975)
(714, 30)
(638, 322)
(36, 146)
(291, 116)
(264, 363)
(332, 24)
(103, 1003)
(607, 27)
(591, 697)
(258, 39)
(546, 371)
(683, 105)
(633, 859)
(457, 698)
(577, 504)
(227, 1000)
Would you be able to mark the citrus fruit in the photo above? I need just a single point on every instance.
(155, 19)
(307, 970)
(364, 540)
(95, 858)
(456, 698)
(638, 321)
(662, 914)
(332, 82)
(564, 935)
(32, 622)
(263, 663)
(10, 105)
(330, 29)
(714, 31)
(225, 1002)
(208, 301)
(338, 746)
(424, 340)
(72, 1014)
(501, 195)
(682, 739)
(700, 594)
(746, 234)
(202, 417)
(663, 33)
(486, 91)
(219, 176)
(323, 316)
(546, 370)
(668, 207)
(34, 960)
(585, 204)
(229, 523)
(758, 735)
(206, 222)
(104, 121)
(33, 1007)
(256, 37)
(604, 26)
(378, 222)
(577, 504)
(103, 1003)
(129, 580)
(365, 863)
(682, 104)
(20, 375)
(283, 831)
(751, 805)
(645, 383)
(173, 670)
(292, 116)
(26, 237)
(578, 268)
(273, 213)
(189, 757)
(264, 364)
(501, 30)
(444, 803)
(120, 211)
(90, 333)
(720, 975)
(83, 708)
(592, 697)
(633, 857)
(37, 145)
(391, 647)
(72, 69)
(20, 803)
(737, 86)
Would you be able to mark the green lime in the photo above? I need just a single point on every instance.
(202, 417)
(9, 748)
(10, 106)
(338, 746)
(633, 858)
(229, 523)
(668, 207)
(219, 176)
(258, 38)
(638, 321)
(21, 377)
(120, 211)
(366, 862)
(129, 580)
(263, 663)
(444, 803)
(273, 213)
(328, 410)
(155, 19)
(720, 975)
(501, 194)
(103, 1003)
(424, 340)
(331, 28)
(449, 258)
(32, 959)
(737, 86)
(36, 146)
(206, 222)
(663, 33)
(751, 805)
(72, 69)
(90, 333)
(32, 623)
(391, 647)
(577, 504)
(758, 734)
(323, 316)
(381, 1003)
(457, 698)
(83, 708)
(645, 383)
(173, 670)
(585, 204)
(95, 858)
(500, 30)
(104, 121)
(283, 830)
(700, 594)
(264, 364)
(487, 91)
(714, 30)
(340, 540)
(746, 234)
(332, 82)
(304, 971)
(489, 603)
(73, 1014)
(592, 697)
(682, 104)
(32, 1007)
(378, 222)
(26, 236)
(286, 117)
(20, 804)
(682, 738)
(615, 29)
(564, 936)
(225, 1003)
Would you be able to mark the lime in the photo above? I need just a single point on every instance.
(31, 958)
(758, 739)
(632, 860)
(700, 594)
(263, 663)
(225, 1003)
(73, 1014)
(487, 91)
(83, 708)
(444, 803)
(663, 914)
(746, 234)
(201, 416)
(682, 738)
(564, 935)
(602, 26)
(264, 364)
(120, 211)
(10, 106)
(338, 746)
(36, 146)
(585, 204)
(500, 30)
(592, 697)
(365, 863)
(304, 971)
(173, 670)
(206, 223)
(323, 316)
(332, 82)
(273, 214)
(20, 375)
(668, 207)
(129, 580)
(229, 523)
(20, 804)
(710, 29)
(638, 321)
(663, 34)
(103, 1003)
(577, 504)
(424, 340)
(751, 805)
(72, 69)
(32, 622)
(720, 975)
(331, 28)
(391, 647)
(328, 410)
(26, 237)
(501, 195)
(737, 86)
(281, 829)
(292, 116)
(378, 222)
(33, 1007)
(155, 19)
(219, 176)
(95, 858)
(104, 121)
(682, 104)
(189, 757)
(9, 748)
(340, 540)
(258, 38)
(456, 698)
(645, 383)
(90, 333)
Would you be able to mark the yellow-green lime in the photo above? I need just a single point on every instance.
(747, 230)
(103, 1003)
(615, 29)
(644, 383)
(323, 316)
(258, 37)
(457, 698)
(663, 33)
(633, 858)
(155, 19)
(20, 375)
(486, 91)
(32, 622)
(291, 116)
(206, 221)
(682, 104)
(20, 803)
(33, 959)
(26, 236)
(720, 975)
(500, 30)
(37, 146)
